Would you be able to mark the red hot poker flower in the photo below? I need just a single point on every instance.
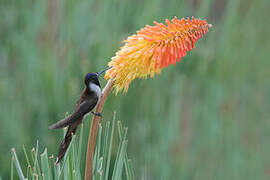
(153, 48)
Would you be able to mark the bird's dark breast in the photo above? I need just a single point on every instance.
(93, 99)
(87, 96)
(89, 99)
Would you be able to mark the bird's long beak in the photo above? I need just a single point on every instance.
(99, 73)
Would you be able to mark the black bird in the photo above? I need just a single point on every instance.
(85, 104)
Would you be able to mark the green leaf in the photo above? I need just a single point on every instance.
(45, 165)
(102, 169)
(36, 168)
(26, 156)
(128, 168)
(110, 148)
(97, 152)
(17, 164)
(12, 168)
(120, 154)
(118, 167)
(80, 147)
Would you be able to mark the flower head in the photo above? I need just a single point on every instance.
(153, 48)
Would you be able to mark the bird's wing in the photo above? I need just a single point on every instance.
(84, 108)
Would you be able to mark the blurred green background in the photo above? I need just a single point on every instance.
(206, 118)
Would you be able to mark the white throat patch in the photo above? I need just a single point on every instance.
(95, 88)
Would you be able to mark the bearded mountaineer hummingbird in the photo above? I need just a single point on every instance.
(85, 104)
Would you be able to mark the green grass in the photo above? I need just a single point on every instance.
(206, 118)
(43, 166)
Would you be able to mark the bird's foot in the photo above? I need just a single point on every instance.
(97, 113)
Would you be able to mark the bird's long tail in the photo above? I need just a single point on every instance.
(66, 141)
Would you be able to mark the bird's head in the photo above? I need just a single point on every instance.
(93, 77)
